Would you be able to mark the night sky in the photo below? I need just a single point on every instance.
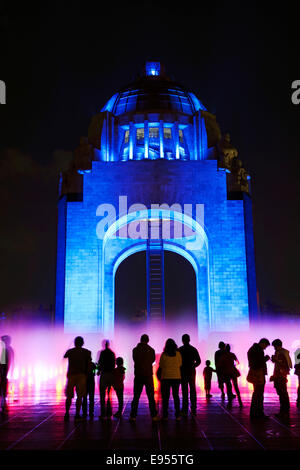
(61, 66)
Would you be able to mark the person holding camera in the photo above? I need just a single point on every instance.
(256, 375)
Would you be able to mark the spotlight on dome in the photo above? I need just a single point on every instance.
(152, 69)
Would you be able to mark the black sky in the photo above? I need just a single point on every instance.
(60, 67)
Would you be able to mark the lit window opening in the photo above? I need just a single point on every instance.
(153, 132)
(167, 133)
(140, 134)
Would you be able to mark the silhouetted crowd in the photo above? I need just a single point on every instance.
(177, 368)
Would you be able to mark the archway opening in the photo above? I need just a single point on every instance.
(180, 291)
(131, 294)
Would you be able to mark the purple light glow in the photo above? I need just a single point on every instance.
(39, 364)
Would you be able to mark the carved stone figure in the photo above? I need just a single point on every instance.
(237, 179)
(242, 180)
(236, 164)
(226, 151)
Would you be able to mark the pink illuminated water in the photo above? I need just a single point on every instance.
(39, 351)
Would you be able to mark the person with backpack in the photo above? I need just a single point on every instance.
(256, 376)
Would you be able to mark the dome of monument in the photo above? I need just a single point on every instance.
(153, 92)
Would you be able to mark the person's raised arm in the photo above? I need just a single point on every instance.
(11, 359)
(66, 354)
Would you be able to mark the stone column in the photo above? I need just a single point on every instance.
(195, 146)
(131, 139)
(146, 138)
(176, 140)
(161, 139)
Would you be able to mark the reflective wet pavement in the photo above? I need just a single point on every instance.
(37, 423)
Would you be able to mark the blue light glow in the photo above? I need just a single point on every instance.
(152, 69)
(198, 105)
(110, 104)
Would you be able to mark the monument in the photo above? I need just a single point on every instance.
(155, 174)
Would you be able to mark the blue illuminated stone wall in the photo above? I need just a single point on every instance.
(250, 257)
(226, 283)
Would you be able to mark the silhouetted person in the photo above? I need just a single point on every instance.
(6, 361)
(118, 384)
(282, 366)
(170, 364)
(190, 360)
(297, 372)
(106, 366)
(257, 372)
(220, 373)
(230, 372)
(90, 391)
(207, 374)
(79, 360)
(218, 354)
(143, 357)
